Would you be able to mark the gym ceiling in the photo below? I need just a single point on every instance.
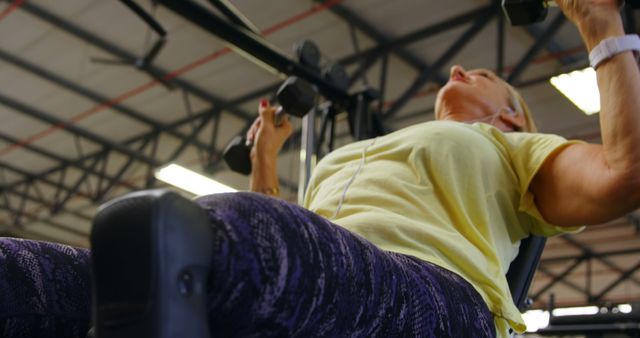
(88, 111)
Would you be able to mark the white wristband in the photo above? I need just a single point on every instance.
(610, 47)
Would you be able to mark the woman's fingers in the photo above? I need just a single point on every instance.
(285, 129)
(253, 130)
(266, 112)
(264, 136)
(578, 10)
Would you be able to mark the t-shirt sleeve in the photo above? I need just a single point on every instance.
(528, 153)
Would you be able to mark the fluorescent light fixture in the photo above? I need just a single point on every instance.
(536, 319)
(539, 319)
(625, 308)
(571, 311)
(190, 181)
(581, 88)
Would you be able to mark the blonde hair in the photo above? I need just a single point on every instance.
(519, 105)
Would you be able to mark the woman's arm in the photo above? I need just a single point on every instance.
(587, 184)
(267, 139)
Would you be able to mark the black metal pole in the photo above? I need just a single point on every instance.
(148, 19)
(500, 47)
(253, 45)
(233, 14)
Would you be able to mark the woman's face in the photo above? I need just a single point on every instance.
(475, 95)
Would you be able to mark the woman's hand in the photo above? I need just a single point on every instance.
(267, 137)
(576, 10)
(596, 19)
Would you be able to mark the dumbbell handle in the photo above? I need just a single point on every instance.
(279, 117)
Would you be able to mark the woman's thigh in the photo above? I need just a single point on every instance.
(281, 270)
(45, 289)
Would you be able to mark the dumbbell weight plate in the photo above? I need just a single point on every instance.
(337, 75)
(308, 54)
(524, 12)
(237, 155)
(296, 96)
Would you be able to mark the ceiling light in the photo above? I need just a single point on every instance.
(625, 308)
(581, 88)
(536, 319)
(573, 311)
(190, 181)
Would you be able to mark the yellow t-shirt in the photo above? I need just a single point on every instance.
(450, 193)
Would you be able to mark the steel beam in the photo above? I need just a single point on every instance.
(37, 199)
(50, 155)
(372, 32)
(91, 95)
(103, 191)
(59, 187)
(113, 49)
(588, 251)
(31, 180)
(544, 38)
(383, 82)
(598, 255)
(559, 277)
(564, 281)
(59, 203)
(426, 32)
(73, 129)
(361, 72)
(189, 139)
(626, 275)
(536, 32)
(427, 75)
(500, 46)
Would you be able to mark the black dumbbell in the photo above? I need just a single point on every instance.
(525, 12)
(308, 54)
(335, 74)
(296, 97)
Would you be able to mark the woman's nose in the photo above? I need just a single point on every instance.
(457, 71)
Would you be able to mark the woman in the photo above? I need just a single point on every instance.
(428, 218)
(462, 196)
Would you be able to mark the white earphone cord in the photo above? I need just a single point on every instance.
(346, 187)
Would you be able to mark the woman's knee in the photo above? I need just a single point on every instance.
(246, 209)
(238, 202)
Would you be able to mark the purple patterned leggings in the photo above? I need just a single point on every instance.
(278, 271)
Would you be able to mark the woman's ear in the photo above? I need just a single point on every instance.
(514, 119)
